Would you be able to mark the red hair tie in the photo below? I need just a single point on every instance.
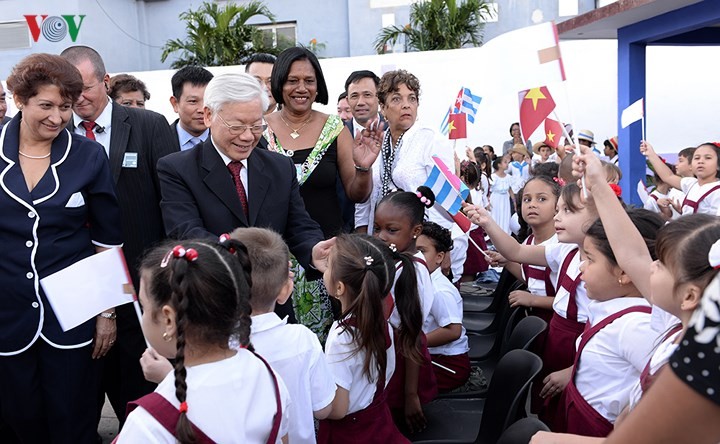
(183, 407)
(560, 181)
(616, 189)
(224, 239)
(178, 251)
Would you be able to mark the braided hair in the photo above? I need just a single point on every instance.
(208, 286)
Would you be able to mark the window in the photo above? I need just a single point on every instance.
(279, 35)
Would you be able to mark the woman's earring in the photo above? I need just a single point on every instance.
(167, 337)
(414, 236)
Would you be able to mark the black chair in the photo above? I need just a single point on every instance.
(522, 336)
(487, 322)
(522, 431)
(482, 421)
(487, 346)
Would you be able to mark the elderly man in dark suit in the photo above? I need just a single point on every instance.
(226, 183)
(134, 140)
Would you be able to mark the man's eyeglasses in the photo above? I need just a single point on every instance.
(236, 130)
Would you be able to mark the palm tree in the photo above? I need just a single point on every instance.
(439, 24)
(218, 36)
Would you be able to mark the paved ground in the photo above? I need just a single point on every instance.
(108, 424)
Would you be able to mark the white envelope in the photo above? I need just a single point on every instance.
(75, 201)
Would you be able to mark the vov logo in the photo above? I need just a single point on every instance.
(54, 28)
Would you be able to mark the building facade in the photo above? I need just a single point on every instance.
(130, 33)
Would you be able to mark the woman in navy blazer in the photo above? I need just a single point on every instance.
(58, 206)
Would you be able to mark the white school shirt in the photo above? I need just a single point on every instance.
(447, 309)
(520, 172)
(611, 362)
(659, 358)
(555, 256)
(295, 353)
(537, 286)
(662, 321)
(652, 205)
(426, 291)
(693, 191)
(346, 365)
(231, 401)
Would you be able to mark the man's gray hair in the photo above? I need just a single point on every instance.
(234, 88)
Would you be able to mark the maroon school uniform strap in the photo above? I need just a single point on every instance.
(646, 378)
(167, 414)
(570, 285)
(696, 204)
(535, 273)
(590, 331)
(654, 197)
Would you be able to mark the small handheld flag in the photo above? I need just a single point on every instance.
(535, 105)
(458, 126)
(553, 131)
(450, 192)
(632, 113)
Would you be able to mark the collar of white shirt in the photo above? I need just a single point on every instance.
(225, 158)
(599, 310)
(266, 321)
(104, 120)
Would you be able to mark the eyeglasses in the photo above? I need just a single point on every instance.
(236, 130)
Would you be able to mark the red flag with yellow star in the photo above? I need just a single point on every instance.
(553, 131)
(457, 126)
(535, 105)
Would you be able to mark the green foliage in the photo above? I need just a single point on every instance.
(439, 24)
(219, 36)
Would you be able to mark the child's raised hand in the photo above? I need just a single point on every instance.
(155, 367)
(646, 149)
(556, 382)
(587, 164)
(476, 214)
(469, 153)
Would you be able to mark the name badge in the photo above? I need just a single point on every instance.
(130, 160)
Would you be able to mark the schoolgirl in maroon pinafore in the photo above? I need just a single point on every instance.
(702, 192)
(579, 417)
(359, 349)
(559, 347)
(398, 222)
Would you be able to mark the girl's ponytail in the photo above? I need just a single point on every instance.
(408, 307)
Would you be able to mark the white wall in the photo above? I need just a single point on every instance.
(682, 94)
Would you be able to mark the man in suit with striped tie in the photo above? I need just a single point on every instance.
(134, 140)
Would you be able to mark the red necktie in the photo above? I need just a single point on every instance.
(235, 168)
(89, 127)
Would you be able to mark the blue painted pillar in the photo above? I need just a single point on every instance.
(631, 87)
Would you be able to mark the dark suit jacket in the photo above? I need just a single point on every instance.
(146, 133)
(173, 130)
(199, 198)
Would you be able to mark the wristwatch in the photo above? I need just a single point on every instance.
(108, 315)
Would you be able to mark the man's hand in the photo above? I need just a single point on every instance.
(321, 253)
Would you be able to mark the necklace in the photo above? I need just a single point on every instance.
(34, 157)
(295, 132)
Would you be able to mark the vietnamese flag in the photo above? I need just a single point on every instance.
(553, 131)
(535, 105)
(457, 126)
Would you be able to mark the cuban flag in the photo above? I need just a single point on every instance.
(466, 103)
(469, 104)
(449, 190)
